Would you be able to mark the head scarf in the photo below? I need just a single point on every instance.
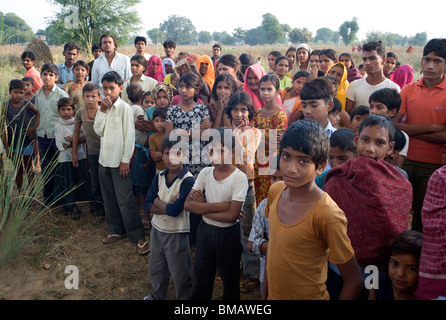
(167, 61)
(209, 76)
(342, 87)
(306, 47)
(352, 72)
(167, 88)
(402, 75)
(158, 74)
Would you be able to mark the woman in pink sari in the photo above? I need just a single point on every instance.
(402, 75)
(155, 68)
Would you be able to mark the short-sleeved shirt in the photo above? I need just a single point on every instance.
(35, 75)
(360, 90)
(93, 140)
(298, 254)
(423, 106)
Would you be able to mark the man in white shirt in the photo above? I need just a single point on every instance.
(359, 91)
(140, 45)
(110, 60)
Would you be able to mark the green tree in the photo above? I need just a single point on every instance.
(239, 33)
(156, 35)
(272, 30)
(14, 29)
(323, 35)
(300, 35)
(84, 21)
(204, 37)
(419, 39)
(348, 31)
(179, 29)
(254, 36)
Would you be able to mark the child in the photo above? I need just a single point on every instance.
(74, 88)
(218, 195)
(400, 142)
(116, 128)
(259, 236)
(362, 70)
(298, 255)
(333, 114)
(28, 61)
(47, 98)
(169, 236)
(72, 182)
(155, 140)
(291, 96)
(401, 281)
(272, 60)
(224, 87)
(315, 65)
(29, 89)
(147, 100)
(357, 115)
(21, 127)
(84, 118)
(282, 68)
(366, 187)
(273, 120)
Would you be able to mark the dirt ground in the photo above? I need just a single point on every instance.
(106, 272)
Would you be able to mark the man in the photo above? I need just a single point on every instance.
(140, 45)
(423, 105)
(359, 91)
(110, 60)
(70, 52)
(216, 52)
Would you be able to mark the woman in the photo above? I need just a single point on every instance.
(303, 56)
(352, 72)
(229, 63)
(155, 68)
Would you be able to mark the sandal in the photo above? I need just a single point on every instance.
(110, 238)
(249, 285)
(144, 248)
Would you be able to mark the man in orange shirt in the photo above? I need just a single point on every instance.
(424, 108)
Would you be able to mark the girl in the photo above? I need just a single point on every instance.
(352, 72)
(229, 63)
(327, 57)
(155, 68)
(270, 117)
(303, 56)
(184, 66)
(290, 97)
(315, 65)
(224, 87)
(282, 68)
(246, 60)
(74, 88)
(138, 67)
(291, 55)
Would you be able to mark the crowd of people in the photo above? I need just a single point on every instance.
(299, 179)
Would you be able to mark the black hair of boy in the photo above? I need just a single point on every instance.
(437, 46)
(275, 54)
(301, 74)
(29, 54)
(160, 112)
(309, 137)
(343, 138)
(380, 121)
(400, 140)
(333, 82)
(337, 106)
(168, 142)
(16, 84)
(317, 89)
(140, 38)
(169, 44)
(375, 45)
(407, 242)
(134, 92)
(240, 97)
(81, 63)
(95, 47)
(113, 76)
(388, 97)
(50, 68)
(28, 79)
(89, 87)
(65, 102)
(359, 110)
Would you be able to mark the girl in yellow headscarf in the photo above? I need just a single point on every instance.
(206, 69)
(339, 72)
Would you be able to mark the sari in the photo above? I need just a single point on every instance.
(403, 75)
(376, 199)
(158, 74)
(343, 86)
(209, 76)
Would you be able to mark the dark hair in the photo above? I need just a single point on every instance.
(28, 79)
(89, 87)
(282, 58)
(375, 45)
(223, 77)
(134, 92)
(29, 54)
(191, 79)
(309, 137)
(330, 53)
(337, 106)
(140, 38)
(246, 60)
(317, 89)
(437, 46)
(95, 47)
(407, 242)
(105, 35)
(359, 110)
(348, 55)
(400, 140)
(81, 63)
(169, 44)
(112, 76)
(169, 144)
(223, 134)
(70, 46)
(140, 59)
(272, 78)
(16, 84)
(230, 60)
(380, 121)
(301, 74)
(387, 96)
(241, 97)
(65, 102)
(291, 49)
(315, 52)
(392, 55)
(275, 53)
(343, 138)
(147, 93)
(361, 66)
(160, 112)
(217, 44)
(332, 82)
(50, 67)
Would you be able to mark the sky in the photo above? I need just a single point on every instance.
(402, 17)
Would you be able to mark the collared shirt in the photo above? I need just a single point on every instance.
(120, 64)
(117, 131)
(146, 55)
(329, 129)
(47, 107)
(65, 74)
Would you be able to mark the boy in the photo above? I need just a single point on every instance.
(46, 103)
(297, 257)
(114, 124)
(169, 236)
(400, 141)
(134, 94)
(333, 114)
(96, 50)
(272, 60)
(28, 61)
(140, 46)
(159, 121)
(169, 49)
(387, 102)
(366, 187)
(216, 52)
(29, 89)
(218, 194)
(357, 115)
(70, 52)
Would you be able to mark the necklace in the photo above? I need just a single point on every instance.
(90, 117)
(377, 82)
